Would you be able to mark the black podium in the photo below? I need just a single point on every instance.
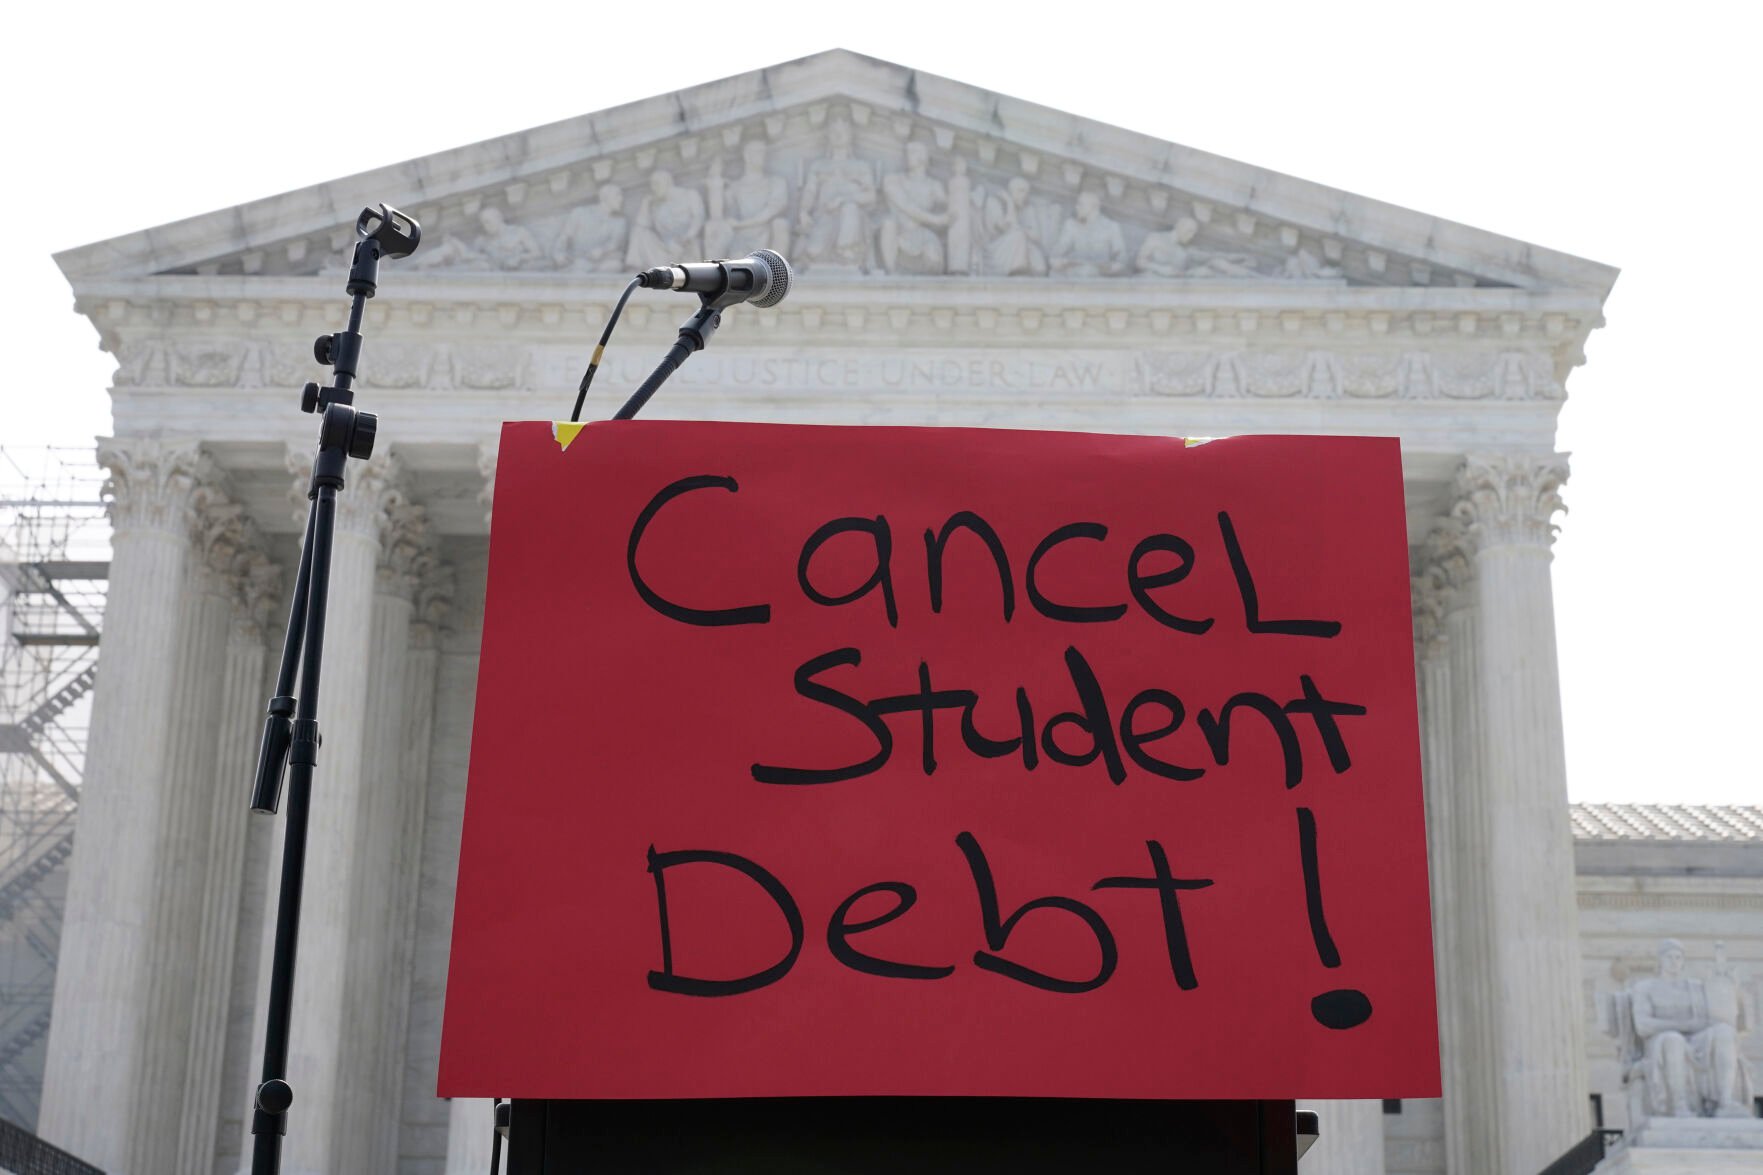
(882, 1136)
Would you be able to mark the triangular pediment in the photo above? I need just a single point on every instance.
(851, 166)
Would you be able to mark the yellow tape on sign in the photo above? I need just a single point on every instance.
(565, 431)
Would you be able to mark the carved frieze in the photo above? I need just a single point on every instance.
(398, 365)
(206, 366)
(1289, 372)
(1325, 375)
(838, 190)
(141, 362)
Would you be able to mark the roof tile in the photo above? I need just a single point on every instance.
(1667, 822)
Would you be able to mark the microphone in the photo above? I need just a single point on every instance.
(762, 277)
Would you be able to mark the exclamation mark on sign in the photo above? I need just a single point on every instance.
(1344, 1007)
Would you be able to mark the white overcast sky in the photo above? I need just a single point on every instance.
(1622, 132)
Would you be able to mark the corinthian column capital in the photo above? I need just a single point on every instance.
(1510, 499)
(231, 553)
(434, 599)
(486, 466)
(1429, 600)
(258, 611)
(1438, 583)
(151, 481)
(407, 550)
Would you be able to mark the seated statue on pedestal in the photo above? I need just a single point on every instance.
(1677, 1041)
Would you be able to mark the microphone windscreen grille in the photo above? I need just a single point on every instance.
(780, 278)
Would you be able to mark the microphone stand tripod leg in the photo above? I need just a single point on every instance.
(269, 1118)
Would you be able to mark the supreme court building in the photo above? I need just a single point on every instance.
(963, 258)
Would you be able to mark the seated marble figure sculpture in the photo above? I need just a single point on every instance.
(1678, 1041)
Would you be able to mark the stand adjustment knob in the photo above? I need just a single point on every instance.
(324, 349)
(275, 1096)
(309, 397)
(361, 436)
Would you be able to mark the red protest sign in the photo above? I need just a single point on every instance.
(888, 761)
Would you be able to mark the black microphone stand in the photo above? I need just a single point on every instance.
(694, 335)
(290, 732)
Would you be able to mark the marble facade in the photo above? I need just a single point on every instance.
(964, 258)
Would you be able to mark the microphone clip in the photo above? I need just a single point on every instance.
(695, 331)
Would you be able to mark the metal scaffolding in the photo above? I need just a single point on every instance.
(54, 567)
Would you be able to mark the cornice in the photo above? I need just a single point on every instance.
(843, 290)
(950, 312)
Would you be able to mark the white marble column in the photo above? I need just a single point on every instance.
(242, 1061)
(174, 965)
(434, 601)
(324, 1063)
(377, 972)
(469, 1120)
(235, 555)
(1433, 686)
(1349, 1139)
(1540, 1104)
(108, 1046)
(1458, 835)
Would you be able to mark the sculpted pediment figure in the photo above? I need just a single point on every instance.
(1014, 245)
(918, 207)
(1170, 254)
(668, 224)
(838, 191)
(500, 245)
(594, 235)
(1090, 244)
(749, 212)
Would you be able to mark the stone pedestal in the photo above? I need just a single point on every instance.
(469, 1136)
(1689, 1146)
(1350, 1138)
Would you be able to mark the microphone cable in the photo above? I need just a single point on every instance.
(581, 394)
